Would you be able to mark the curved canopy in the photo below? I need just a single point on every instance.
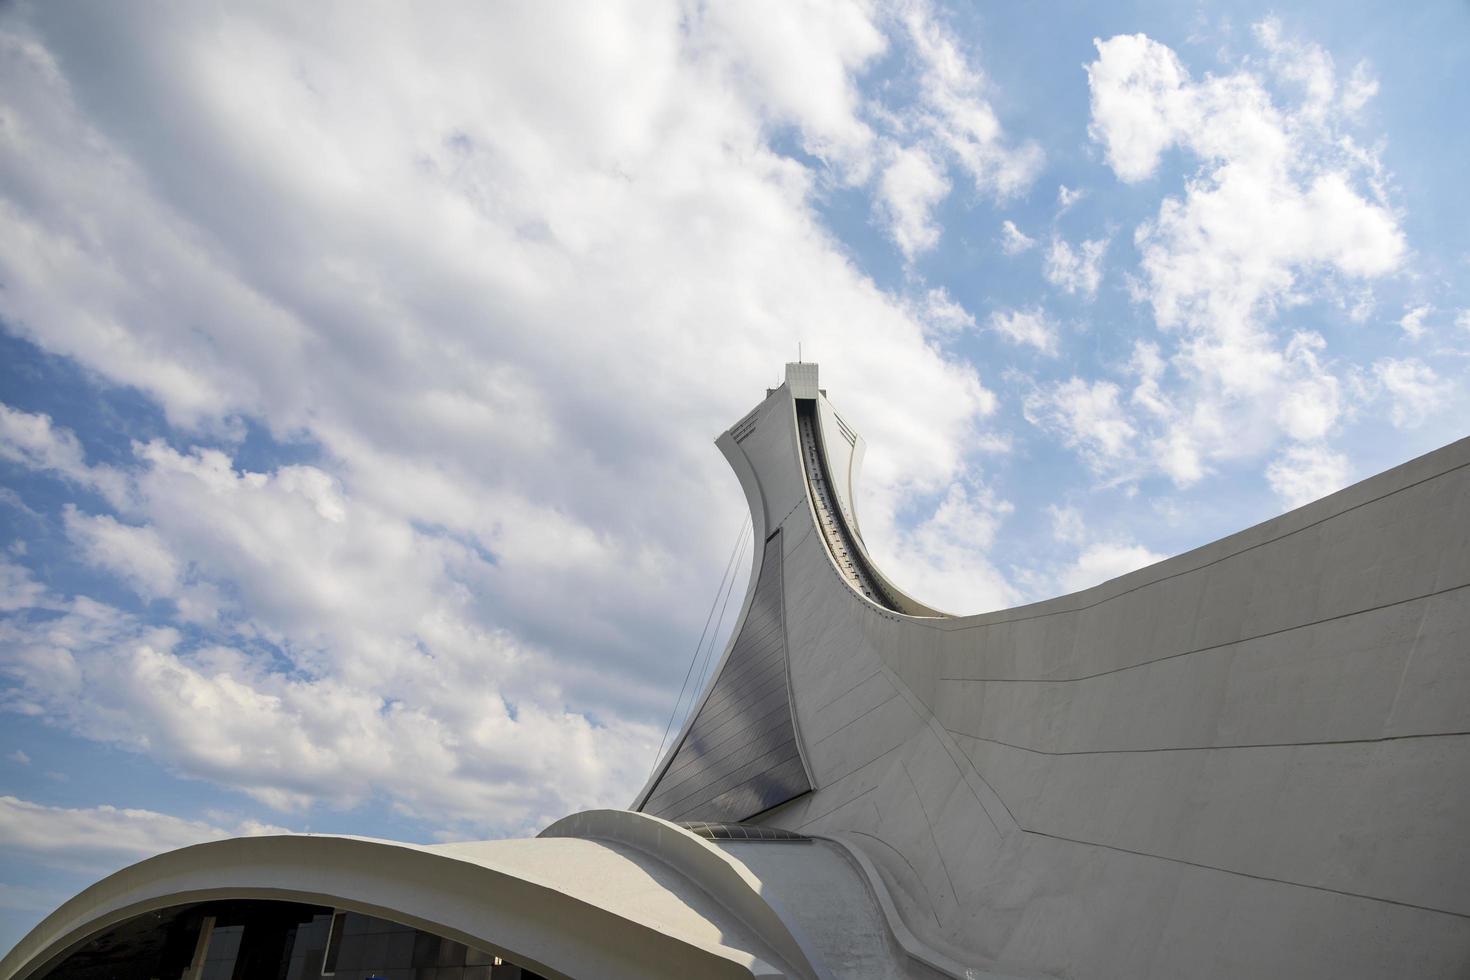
(565, 906)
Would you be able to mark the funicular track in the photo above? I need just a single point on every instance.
(849, 558)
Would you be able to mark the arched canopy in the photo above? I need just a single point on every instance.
(564, 907)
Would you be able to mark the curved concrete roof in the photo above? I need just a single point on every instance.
(566, 907)
(600, 894)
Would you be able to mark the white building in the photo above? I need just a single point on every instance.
(1251, 760)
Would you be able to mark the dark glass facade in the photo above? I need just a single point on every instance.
(740, 756)
(260, 940)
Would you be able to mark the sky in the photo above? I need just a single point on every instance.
(360, 364)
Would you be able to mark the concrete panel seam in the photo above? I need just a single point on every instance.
(1247, 874)
(1204, 748)
(856, 720)
(782, 522)
(1214, 646)
(833, 700)
(962, 763)
(929, 824)
(1408, 661)
(808, 820)
(871, 762)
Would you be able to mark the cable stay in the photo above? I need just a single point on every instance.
(727, 585)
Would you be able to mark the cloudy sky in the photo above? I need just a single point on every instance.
(360, 366)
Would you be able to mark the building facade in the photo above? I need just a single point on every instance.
(1249, 760)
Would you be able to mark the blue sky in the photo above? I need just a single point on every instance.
(360, 371)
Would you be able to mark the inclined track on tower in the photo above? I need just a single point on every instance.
(838, 536)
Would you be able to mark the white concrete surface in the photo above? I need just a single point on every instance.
(1249, 760)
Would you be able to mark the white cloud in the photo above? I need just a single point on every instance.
(1303, 473)
(1359, 305)
(1307, 66)
(1030, 327)
(1272, 196)
(1462, 320)
(1067, 525)
(1311, 70)
(800, 63)
(912, 185)
(1140, 102)
(951, 124)
(1149, 367)
(1099, 556)
(1076, 271)
(134, 553)
(1087, 416)
(1066, 197)
(19, 757)
(942, 315)
(18, 588)
(1360, 88)
(1414, 390)
(1102, 561)
(451, 724)
(946, 559)
(466, 305)
(32, 441)
(1232, 247)
(1283, 207)
(1012, 240)
(959, 115)
(1309, 403)
(1412, 322)
(104, 837)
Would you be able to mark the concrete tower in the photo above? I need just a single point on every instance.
(1250, 760)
